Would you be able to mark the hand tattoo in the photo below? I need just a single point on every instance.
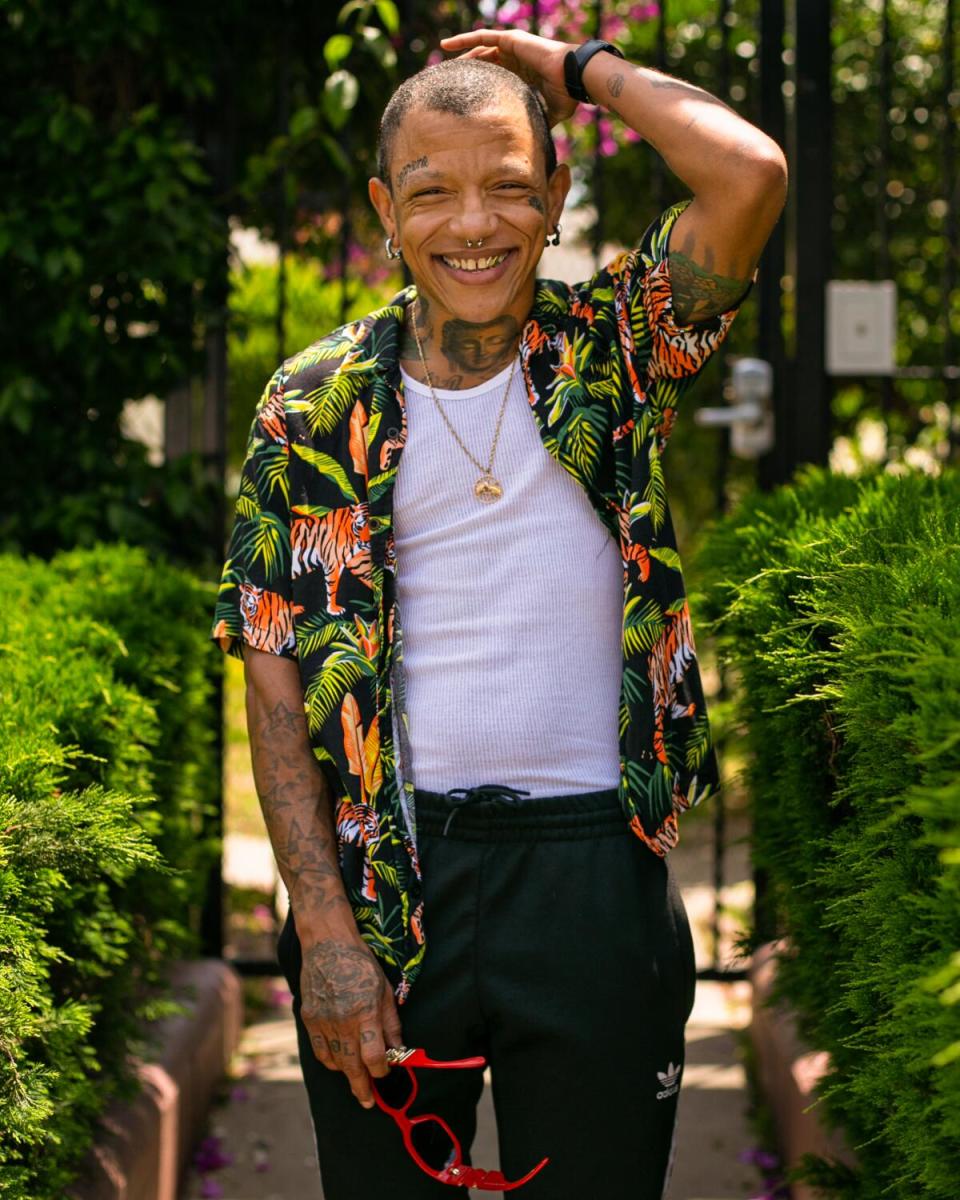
(339, 981)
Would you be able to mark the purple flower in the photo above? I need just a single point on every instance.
(760, 1158)
(211, 1190)
(210, 1157)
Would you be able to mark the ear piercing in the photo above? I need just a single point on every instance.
(392, 251)
(554, 240)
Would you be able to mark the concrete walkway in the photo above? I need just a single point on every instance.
(263, 1126)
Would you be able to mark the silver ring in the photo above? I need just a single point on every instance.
(477, 243)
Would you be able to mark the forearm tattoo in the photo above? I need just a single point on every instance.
(293, 798)
(680, 85)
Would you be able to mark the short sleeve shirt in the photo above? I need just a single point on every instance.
(311, 567)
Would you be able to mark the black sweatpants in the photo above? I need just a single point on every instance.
(558, 947)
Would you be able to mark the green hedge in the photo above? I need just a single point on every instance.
(836, 605)
(108, 779)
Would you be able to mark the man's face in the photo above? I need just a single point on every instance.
(459, 179)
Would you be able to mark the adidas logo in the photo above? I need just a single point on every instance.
(669, 1081)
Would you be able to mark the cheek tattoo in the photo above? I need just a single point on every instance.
(537, 203)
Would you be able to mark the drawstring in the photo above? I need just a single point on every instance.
(496, 793)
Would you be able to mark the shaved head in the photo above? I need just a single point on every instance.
(462, 87)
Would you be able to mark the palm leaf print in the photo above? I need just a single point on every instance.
(623, 718)
(638, 508)
(635, 686)
(342, 669)
(272, 471)
(666, 555)
(378, 484)
(373, 424)
(248, 503)
(328, 466)
(318, 631)
(655, 791)
(549, 300)
(642, 625)
(267, 539)
(656, 489)
(328, 348)
(580, 439)
(326, 405)
(698, 742)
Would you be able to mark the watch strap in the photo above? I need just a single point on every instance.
(575, 62)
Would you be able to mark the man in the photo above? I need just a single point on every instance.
(472, 811)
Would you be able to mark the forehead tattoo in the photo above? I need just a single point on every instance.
(417, 164)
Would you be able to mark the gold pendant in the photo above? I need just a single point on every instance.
(487, 489)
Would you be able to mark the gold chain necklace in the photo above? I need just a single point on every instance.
(487, 488)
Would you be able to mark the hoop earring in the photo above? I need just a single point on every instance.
(392, 251)
(555, 239)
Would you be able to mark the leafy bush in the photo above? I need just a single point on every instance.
(837, 603)
(107, 774)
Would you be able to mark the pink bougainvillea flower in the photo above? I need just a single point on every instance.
(279, 996)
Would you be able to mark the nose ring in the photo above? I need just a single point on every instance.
(477, 243)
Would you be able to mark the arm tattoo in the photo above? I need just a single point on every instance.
(296, 810)
(615, 85)
(667, 81)
(416, 164)
(697, 292)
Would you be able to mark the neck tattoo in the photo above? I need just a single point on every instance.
(487, 488)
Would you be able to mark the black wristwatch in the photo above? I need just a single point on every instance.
(575, 62)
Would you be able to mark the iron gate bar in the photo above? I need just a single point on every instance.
(720, 504)
(882, 174)
(808, 430)
(772, 468)
(659, 170)
(951, 191)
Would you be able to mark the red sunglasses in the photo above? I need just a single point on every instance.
(429, 1140)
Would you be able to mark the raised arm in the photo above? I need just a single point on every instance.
(737, 174)
(347, 1003)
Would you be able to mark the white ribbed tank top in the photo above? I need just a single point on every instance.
(511, 610)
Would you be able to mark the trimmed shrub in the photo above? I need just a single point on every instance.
(108, 781)
(836, 604)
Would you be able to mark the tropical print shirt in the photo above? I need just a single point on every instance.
(311, 568)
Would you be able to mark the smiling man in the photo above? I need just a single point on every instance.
(472, 686)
